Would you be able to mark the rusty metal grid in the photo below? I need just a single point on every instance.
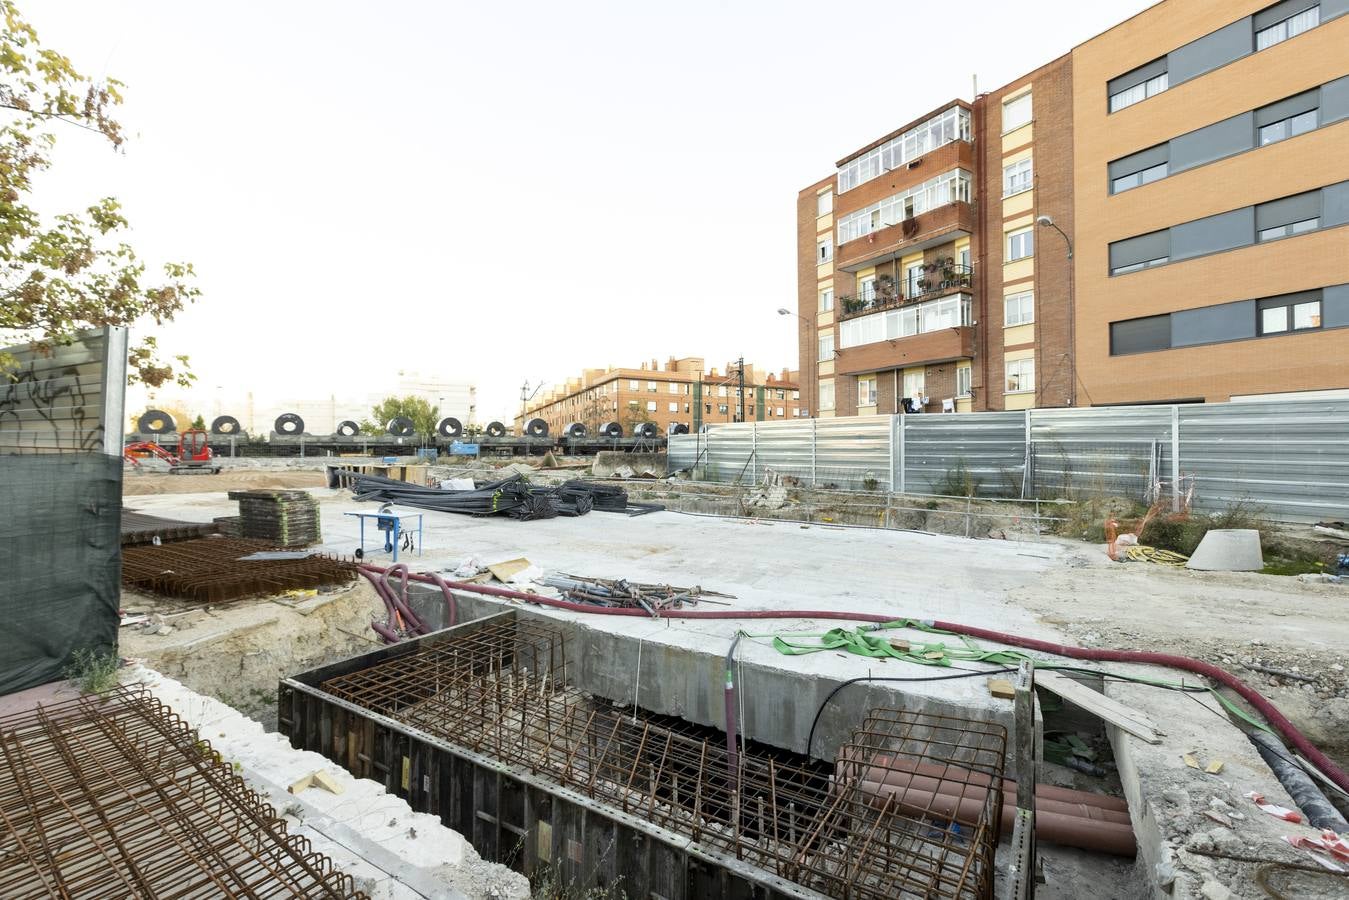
(113, 795)
(501, 690)
(210, 570)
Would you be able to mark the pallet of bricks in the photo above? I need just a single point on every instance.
(285, 518)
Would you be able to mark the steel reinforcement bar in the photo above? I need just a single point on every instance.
(500, 690)
(112, 795)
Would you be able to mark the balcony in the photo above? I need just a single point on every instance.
(920, 349)
(937, 280)
(932, 228)
(913, 334)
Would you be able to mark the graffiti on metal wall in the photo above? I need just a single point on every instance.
(48, 405)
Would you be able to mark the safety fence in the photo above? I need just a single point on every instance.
(1288, 459)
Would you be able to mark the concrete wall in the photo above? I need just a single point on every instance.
(779, 702)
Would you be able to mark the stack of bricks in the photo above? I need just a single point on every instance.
(285, 518)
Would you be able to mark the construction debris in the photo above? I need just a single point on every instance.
(214, 570)
(512, 496)
(286, 518)
(319, 779)
(627, 594)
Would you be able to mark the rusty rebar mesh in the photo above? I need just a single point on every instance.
(501, 690)
(211, 570)
(113, 795)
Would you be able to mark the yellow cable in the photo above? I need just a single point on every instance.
(1143, 553)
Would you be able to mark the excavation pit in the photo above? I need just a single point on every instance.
(486, 725)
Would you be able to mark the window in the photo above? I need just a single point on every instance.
(796, 395)
(1294, 312)
(866, 392)
(721, 391)
(1137, 85)
(826, 395)
(1140, 252)
(824, 251)
(1289, 27)
(686, 407)
(633, 404)
(915, 384)
(1016, 112)
(964, 257)
(674, 387)
(1020, 244)
(780, 411)
(1288, 216)
(826, 300)
(1141, 177)
(674, 407)
(950, 187)
(1016, 177)
(1018, 309)
(867, 289)
(912, 275)
(651, 406)
(1020, 376)
(824, 203)
(949, 125)
(1140, 335)
(1290, 127)
(964, 379)
(634, 385)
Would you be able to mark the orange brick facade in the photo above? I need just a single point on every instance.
(1039, 327)
(681, 393)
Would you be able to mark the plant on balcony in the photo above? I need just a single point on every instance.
(850, 304)
(924, 284)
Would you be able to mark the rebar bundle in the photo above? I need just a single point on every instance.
(112, 795)
(624, 593)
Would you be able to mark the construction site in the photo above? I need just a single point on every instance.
(634, 674)
(949, 599)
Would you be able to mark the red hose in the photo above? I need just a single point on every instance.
(1272, 715)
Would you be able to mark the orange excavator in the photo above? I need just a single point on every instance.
(194, 454)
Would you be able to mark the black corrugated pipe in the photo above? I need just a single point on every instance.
(1298, 784)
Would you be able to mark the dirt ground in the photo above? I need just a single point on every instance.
(1232, 619)
(143, 483)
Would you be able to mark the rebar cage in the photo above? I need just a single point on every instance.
(113, 795)
(501, 689)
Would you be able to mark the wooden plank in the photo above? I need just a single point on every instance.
(1112, 711)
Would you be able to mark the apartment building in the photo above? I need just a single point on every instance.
(1211, 188)
(680, 393)
(1094, 231)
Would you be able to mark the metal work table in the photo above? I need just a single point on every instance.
(394, 531)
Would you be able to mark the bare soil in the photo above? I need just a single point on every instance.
(143, 483)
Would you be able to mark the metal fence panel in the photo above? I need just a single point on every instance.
(852, 452)
(682, 451)
(67, 401)
(990, 447)
(728, 455)
(1101, 450)
(785, 447)
(1289, 459)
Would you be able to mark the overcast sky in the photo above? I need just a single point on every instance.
(507, 191)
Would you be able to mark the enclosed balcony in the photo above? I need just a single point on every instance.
(937, 279)
(911, 334)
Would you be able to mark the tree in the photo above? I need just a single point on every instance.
(424, 416)
(199, 423)
(68, 272)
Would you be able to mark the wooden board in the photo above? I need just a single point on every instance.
(1098, 704)
(503, 571)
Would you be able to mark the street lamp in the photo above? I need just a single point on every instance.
(814, 374)
(1048, 222)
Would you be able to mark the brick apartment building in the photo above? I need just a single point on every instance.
(680, 393)
(1096, 230)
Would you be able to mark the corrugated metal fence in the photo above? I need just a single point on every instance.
(68, 400)
(1290, 459)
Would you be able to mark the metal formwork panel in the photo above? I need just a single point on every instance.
(851, 451)
(728, 451)
(683, 450)
(990, 447)
(1288, 459)
(785, 447)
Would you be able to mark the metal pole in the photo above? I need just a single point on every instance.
(903, 457)
(1175, 458)
(1020, 881)
(814, 426)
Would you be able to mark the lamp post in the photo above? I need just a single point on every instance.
(1048, 222)
(814, 373)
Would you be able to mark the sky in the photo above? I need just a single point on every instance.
(503, 192)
